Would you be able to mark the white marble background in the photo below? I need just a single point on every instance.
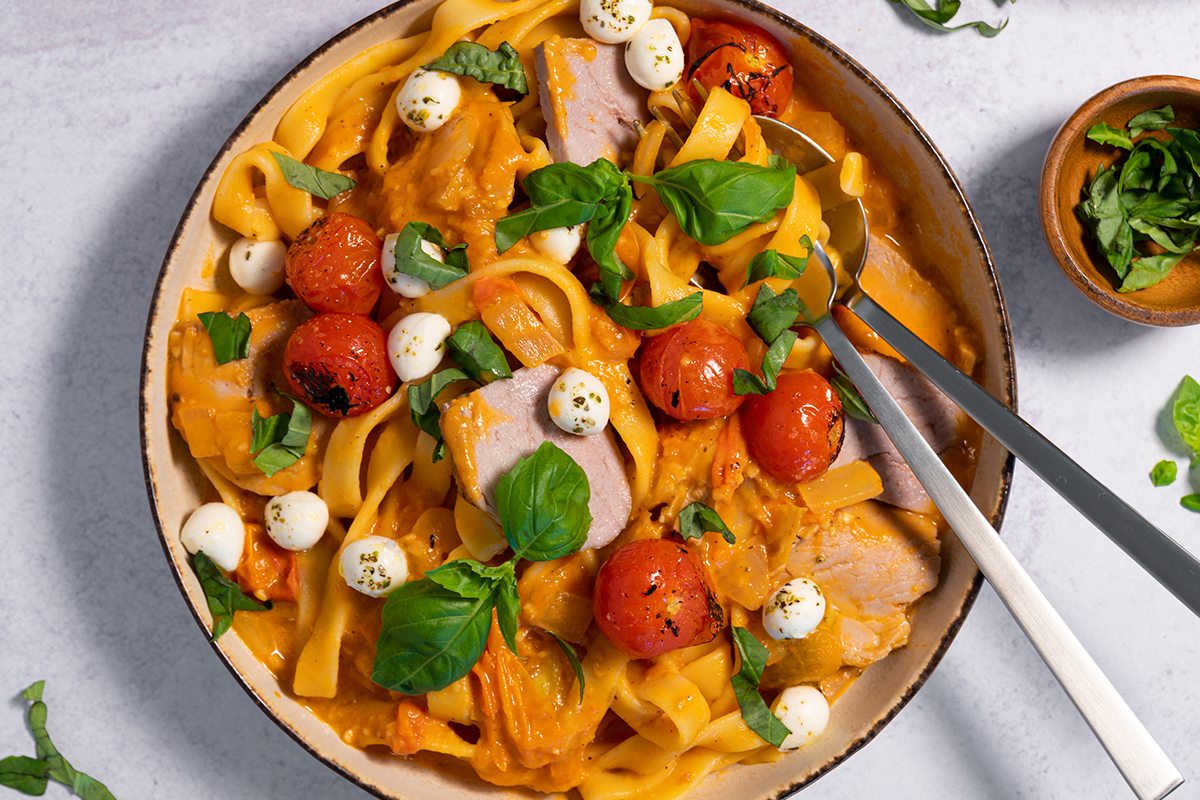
(109, 113)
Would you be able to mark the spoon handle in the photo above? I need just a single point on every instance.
(1141, 761)
(1156, 552)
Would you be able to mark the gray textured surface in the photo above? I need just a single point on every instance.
(109, 114)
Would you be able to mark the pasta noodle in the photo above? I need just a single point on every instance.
(621, 727)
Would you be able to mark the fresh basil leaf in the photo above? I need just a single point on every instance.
(424, 410)
(716, 200)
(501, 67)
(937, 18)
(1148, 270)
(543, 505)
(430, 638)
(1186, 415)
(573, 657)
(230, 337)
(1191, 502)
(696, 519)
(467, 577)
(1103, 214)
(24, 774)
(223, 595)
(646, 318)
(755, 713)
(474, 350)
(852, 402)
(1103, 133)
(508, 608)
(773, 264)
(317, 182)
(1164, 473)
(280, 440)
(58, 768)
(1153, 120)
(411, 258)
(748, 383)
(772, 314)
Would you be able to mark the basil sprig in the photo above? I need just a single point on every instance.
(223, 595)
(771, 317)
(435, 629)
(696, 519)
(755, 712)
(31, 775)
(501, 67)
(280, 440)
(411, 258)
(423, 409)
(945, 11)
(230, 337)
(473, 349)
(317, 182)
(773, 264)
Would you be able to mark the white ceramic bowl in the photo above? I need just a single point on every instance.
(952, 240)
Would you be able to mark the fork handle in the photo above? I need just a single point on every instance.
(1141, 761)
(1156, 552)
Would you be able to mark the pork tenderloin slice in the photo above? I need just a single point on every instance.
(588, 99)
(489, 430)
(935, 415)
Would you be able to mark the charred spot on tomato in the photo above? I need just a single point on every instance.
(321, 388)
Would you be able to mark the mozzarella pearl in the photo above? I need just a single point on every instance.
(427, 99)
(374, 565)
(805, 712)
(257, 266)
(401, 283)
(654, 56)
(578, 402)
(416, 345)
(613, 21)
(558, 244)
(216, 530)
(296, 520)
(794, 609)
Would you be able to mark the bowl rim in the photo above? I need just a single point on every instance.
(1071, 131)
(149, 406)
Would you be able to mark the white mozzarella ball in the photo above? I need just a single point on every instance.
(558, 244)
(578, 402)
(613, 21)
(416, 345)
(257, 266)
(428, 98)
(374, 565)
(654, 56)
(401, 283)
(296, 520)
(794, 609)
(805, 712)
(216, 530)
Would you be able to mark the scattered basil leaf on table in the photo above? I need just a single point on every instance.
(474, 350)
(773, 264)
(696, 519)
(230, 337)
(852, 402)
(317, 182)
(647, 318)
(24, 774)
(1164, 473)
(423, 408)
(280, 440)
(573, 657)
(755, 713)
(411, 258)
(748, 383)
(1191, 502)
(1186, 415)
(543, 505)
(223, 595)
(945, 11)
(501, 67)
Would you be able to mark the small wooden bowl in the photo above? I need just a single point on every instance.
(1070, 165)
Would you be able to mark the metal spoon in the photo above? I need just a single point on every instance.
(1141, 761)
(1156, 552)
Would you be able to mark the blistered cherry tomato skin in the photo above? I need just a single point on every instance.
(338, 364)
(744, 60)
(653, 596)
(795, 432)
(687, 371)
(334, 265)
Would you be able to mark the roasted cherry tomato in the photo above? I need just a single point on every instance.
(338, 364)
(653, 596)
(795, 432)
(334, 265)
(687, 370)
(744, 60)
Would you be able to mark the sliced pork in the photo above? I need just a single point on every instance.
(490, 429)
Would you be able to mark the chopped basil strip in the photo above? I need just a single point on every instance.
(411, 258)
(852, 402)
(1153, 120)
(755, 713)
(646, 318)
(569, 651)
(223, 595)
(696, 519)
(543, 505)
(1103, 133)
(280, 440)
(317, 182)
(474, 350)
(937, 18)
(772, 314)
(24, 774)
(748, 383)
(423, 409)
(501, 67)
(773, 264)
(1164, 473)
(230, 337)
